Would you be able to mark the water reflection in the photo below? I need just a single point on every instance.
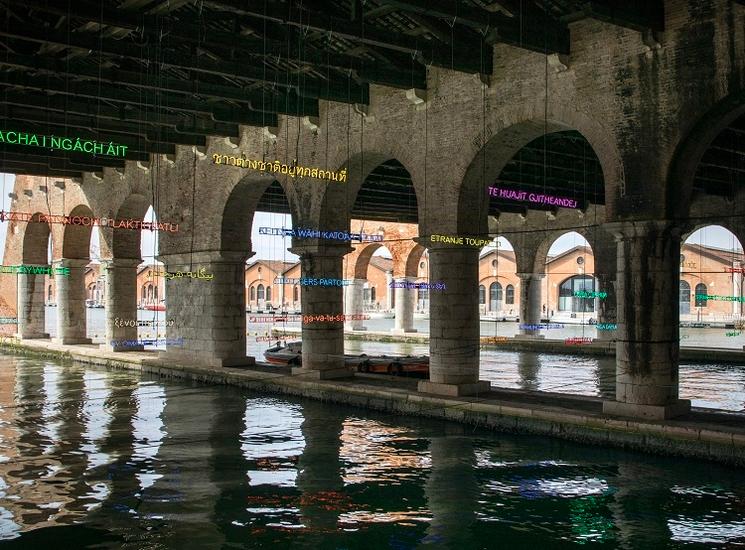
(117, 461)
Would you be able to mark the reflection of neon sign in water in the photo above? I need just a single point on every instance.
(511, 194)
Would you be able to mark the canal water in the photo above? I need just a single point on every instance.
(91, 458)
(713, 385)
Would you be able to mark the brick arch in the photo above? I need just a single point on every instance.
(545, 245)
(126, 242)
(412, 260)
(240, 207)
(36, 242)
(76, 239)
(338, 199)
(362, 260)
(690, 229)
(691, 148)
(513, 130)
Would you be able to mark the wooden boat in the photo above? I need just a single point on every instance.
(291, 355)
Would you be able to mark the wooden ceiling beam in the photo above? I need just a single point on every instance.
(459, 57)
(160, 103)
(338, 89)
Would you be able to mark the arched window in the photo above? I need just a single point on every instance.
(482, 294)
(295, 296)
(495, 297)
(700, 292)
(150, 292)
(510, 294)
(252, 293)
(685, 297)
(260, 292)
(144, 290)
(578, 283)
(268, 293)
(372, 294)
(156, 293)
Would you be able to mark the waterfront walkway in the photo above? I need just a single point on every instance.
(702, 433)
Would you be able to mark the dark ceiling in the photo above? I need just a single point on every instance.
(561, 164)
(150, 74)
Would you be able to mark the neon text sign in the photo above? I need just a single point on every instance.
(63, 143)
(511, 194)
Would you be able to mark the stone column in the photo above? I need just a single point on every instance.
(71, 312)
(323, 341)
(353, 303)
(121, 302)
(405, 304)
(209, 314)
(530, 303)
(31, 306)
(454, 323)
(647, 347)
(389, 300)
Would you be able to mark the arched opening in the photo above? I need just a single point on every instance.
(261, 210)
(75, 322)
(555, 170)
(385, 204)
(571, 292)
(711, 266)
(370, 266)
(37, 320)
(497, 282)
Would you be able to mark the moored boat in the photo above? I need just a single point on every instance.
(290, 354)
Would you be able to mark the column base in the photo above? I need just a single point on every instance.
(326, 374)
(402, 332)
(71, 340)
(454, 390)
(656, 412)
(39, 336)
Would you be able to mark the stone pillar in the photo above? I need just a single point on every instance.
(31, 306)
(323, 341)
(121, 302)
(353, 303)
(405, 303)
(454, 323)
(389, 300)
(647, 347)
(71, 312)
(209, 314)
(530, 303)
